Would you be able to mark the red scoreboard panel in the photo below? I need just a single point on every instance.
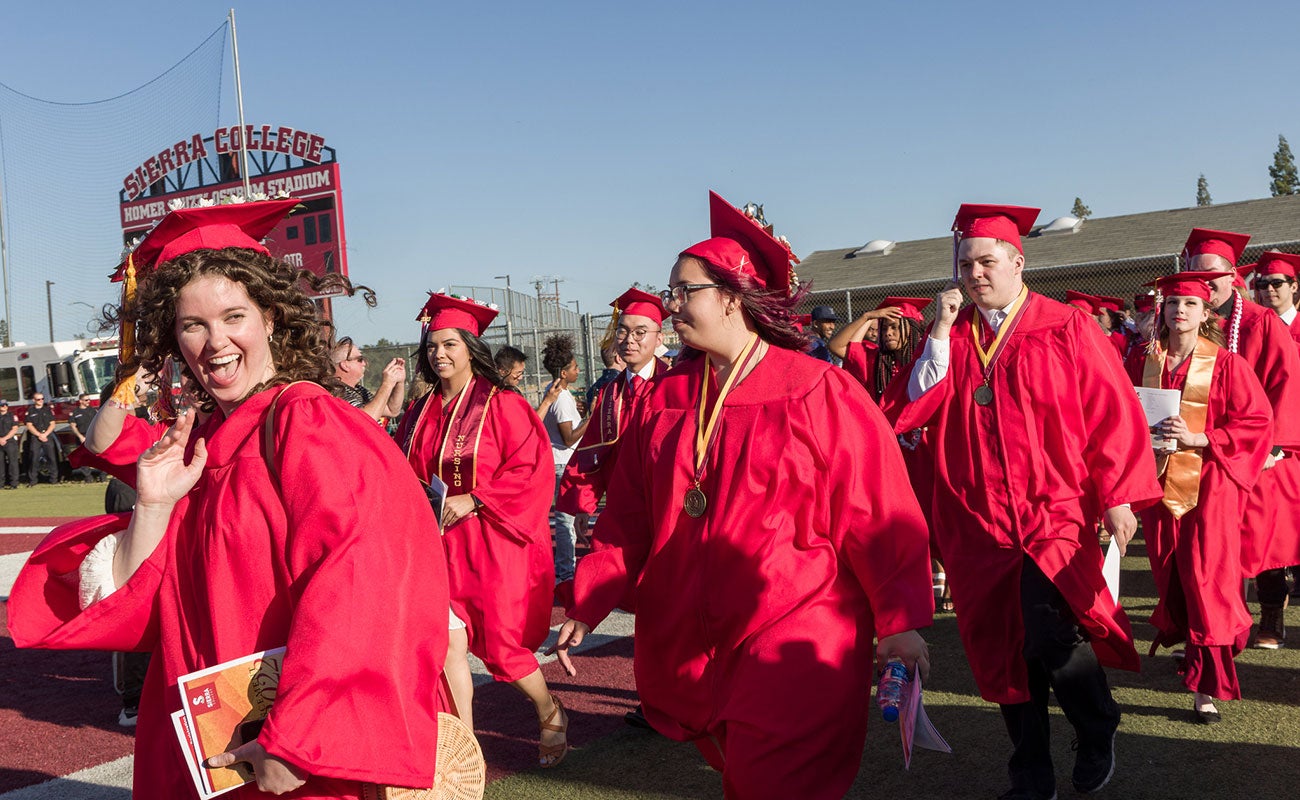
(312, 238)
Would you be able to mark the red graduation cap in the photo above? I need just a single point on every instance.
(1187, 284)
(644, 304)
(206, 228)
(910, 306)
(1143, 303)
(447, 311)
(1109, 303)
(1008, 223)
(1271, 262)
(802, 321)
(741, 244)
(1084, 302)
(1220, 243)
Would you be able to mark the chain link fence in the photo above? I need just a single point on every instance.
(1122, 278)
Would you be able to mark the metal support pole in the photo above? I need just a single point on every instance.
(585, 322)
(510, 312)
(4, 272)
(49, 307)
(848, 305)
(239, 101)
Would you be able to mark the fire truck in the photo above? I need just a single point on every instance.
(61, 371)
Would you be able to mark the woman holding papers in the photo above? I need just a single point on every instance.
(760, 511)
(283, 519)
(490, 449)
(1221, 438)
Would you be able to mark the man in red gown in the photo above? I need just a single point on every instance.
(1037, 434)
(1270, 531)
(638, 333)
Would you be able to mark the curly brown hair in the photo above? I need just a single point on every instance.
(301, 345)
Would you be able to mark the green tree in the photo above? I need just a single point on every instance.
(1283, 171)
(384, 343)
(1203, 192)
(4, 333)
(1080, 211)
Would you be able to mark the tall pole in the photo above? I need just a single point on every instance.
(49, 307)
(510, 312)
(4, 272)
(239, 101)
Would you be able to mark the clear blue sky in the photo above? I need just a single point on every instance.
(580, 139)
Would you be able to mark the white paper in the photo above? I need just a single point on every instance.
(1159, 405)
(914, 724)
(1110, 570)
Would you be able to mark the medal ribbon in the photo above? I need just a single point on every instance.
(1182, 471)
(989, 357)
(706, 431)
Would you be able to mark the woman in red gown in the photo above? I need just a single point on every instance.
(285, 518)
(1222, 434)
(760, 511)
(491, 451)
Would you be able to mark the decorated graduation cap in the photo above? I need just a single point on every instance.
(1143, 303)
(1271, 262)
(1084, 302)
(1204, 241)
(1190, 283)
(182, 231)
(746, 244)
(452, 311)
(911, 307)
(643, 304)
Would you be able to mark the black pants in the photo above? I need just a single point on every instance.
(48, 450)
(1060, 659)
(9, 463)
(1270, 585)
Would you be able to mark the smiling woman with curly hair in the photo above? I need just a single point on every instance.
(284, 519)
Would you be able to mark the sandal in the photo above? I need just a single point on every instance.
(548, 755)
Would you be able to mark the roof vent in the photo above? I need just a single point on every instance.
(875, 247)
(1066, 224)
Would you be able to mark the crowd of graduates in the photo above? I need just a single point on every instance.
(782, 509)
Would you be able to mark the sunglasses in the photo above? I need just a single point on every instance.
(1271, 283)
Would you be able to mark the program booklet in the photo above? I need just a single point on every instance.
(223, 707)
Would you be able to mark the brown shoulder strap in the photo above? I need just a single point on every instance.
(268, 432)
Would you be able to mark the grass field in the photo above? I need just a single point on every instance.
(1161, 754)
(68, 499)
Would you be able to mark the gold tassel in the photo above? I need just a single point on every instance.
(125, 391)
(607, 340)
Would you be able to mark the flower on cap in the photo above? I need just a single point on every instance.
(176, 204)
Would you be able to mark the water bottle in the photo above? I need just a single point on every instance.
(892, 687)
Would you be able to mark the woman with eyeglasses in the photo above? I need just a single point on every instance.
(489, 448)
(761, 510)
(1211, 454)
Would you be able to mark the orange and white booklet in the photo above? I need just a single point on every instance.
(223, 707)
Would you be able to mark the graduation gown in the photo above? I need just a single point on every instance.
(340, 563)
(1029, 475)
(499, 559)
(587, 474)
(755, 621)
(1201, 550)
(1270, 527)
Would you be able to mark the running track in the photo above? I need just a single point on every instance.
(59, 736)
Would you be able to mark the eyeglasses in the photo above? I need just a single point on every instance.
(678, 295)
(1271, 283)
(636, 334)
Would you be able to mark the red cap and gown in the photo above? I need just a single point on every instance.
(1195, 552)
(339, 536)
(860, 358)
(1028, 473)
(489, 443)
(810, 525)
(1270, 530)
(587, 474)
(1286, 265)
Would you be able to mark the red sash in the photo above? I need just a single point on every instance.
(460, 426)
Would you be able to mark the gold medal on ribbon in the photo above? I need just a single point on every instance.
(695, 502)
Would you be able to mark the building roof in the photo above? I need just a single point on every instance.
(1274, 220)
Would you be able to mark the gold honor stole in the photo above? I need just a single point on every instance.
(1182, 469)
(462, 429)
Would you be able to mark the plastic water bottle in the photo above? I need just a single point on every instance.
(893, 685)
